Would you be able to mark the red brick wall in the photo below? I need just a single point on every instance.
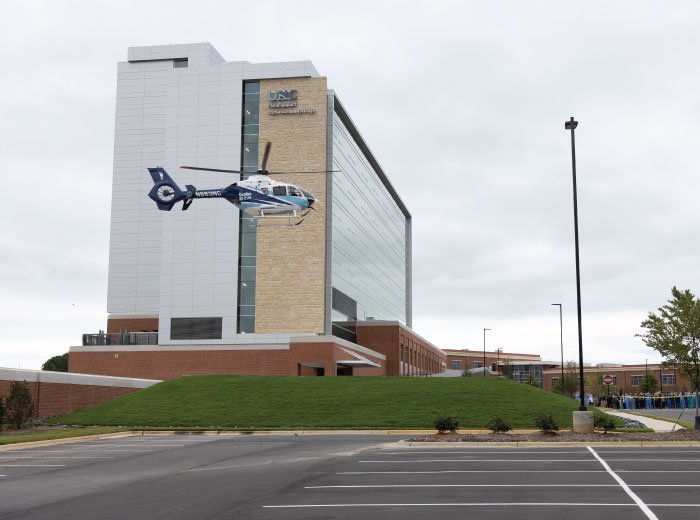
(396, 342)
(57, 398)
(624, 377)
(168, 364)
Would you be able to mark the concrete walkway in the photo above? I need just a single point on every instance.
(655, 424)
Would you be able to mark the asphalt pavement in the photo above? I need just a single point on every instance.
(685, 414)
(343, 476)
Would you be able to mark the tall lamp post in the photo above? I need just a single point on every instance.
(561, 341)
(571, 124)
(484, 367)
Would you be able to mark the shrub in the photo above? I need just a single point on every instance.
(546, 423)
(446, 423)
(606, 423)
(498, 425)
(19, 406)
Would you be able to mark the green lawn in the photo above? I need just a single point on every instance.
(264, 402)
(47, 435)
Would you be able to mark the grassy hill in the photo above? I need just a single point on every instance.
(264, 402)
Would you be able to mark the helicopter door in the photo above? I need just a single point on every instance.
(279, 191)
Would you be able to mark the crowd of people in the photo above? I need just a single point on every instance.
(647, 401)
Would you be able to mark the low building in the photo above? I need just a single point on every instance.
(625, 378)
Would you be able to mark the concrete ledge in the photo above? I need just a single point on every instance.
(71, 378)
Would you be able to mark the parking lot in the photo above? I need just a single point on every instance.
(344, 476)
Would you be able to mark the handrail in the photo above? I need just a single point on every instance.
(120, 338)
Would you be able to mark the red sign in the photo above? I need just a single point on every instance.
(607, 379)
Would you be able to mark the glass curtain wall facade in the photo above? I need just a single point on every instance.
(250, 121)
(369, 241)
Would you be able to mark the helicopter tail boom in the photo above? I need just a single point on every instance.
(166, 193)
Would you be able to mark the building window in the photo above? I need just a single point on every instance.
(555, 381)
(195, 328)
(248, 232)
(477, 364)
(636, 380)
(668, 379)
(456, 364)
(614, 380)
(180, 63)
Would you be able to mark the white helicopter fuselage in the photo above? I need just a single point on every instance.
(268, 196)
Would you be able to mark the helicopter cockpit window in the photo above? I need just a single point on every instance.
(279, 190)
(294, 191)
(307, 194)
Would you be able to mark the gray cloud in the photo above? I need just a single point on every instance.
(463, 104)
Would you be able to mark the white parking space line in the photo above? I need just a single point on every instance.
(475, 451)
(83, 451)
(385, 461)
(665, 485)
(470, 471)
(363, 486)
(645, 509)
(657, 471)
(673, 505)
(671, 451)
(410, 461)
(651, 460)
(32, 465)
(456, 504)
(139, 445)
(572, 451)
(19, 457)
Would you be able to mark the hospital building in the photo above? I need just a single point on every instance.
(212, 290)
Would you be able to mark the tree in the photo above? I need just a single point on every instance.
(594, 383)
(569, 384)
(649, 383)
(56, 363)
(2, 412)
(530, 380)
(507, 369)
(675, 334)
(19, 406)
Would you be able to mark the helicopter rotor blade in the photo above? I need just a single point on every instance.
(268, 146)
(210, 169)
(307, 171)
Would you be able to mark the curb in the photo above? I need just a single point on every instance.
(404, 443)
(67, 440)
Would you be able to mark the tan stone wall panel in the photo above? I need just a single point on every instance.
(290, 260)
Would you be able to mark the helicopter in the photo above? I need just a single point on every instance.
(258, 196)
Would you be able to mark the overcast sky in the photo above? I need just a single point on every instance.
(463, 103)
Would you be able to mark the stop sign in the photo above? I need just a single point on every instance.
(607, 379)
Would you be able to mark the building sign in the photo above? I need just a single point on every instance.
(285, 102)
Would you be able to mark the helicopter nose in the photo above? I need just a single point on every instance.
(311, 201)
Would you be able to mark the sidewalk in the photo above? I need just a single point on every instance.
(655, 424)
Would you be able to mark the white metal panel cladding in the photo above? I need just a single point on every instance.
(178, 264)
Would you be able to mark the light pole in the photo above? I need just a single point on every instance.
(571, 124)
(561, 341)
(484, 367)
